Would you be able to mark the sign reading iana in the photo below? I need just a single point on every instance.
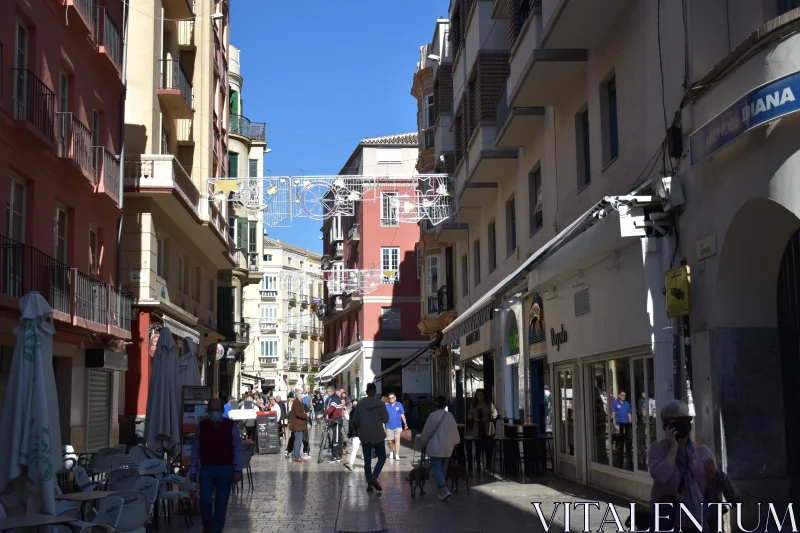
(760, 106)
(602, 517)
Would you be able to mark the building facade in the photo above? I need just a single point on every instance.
(599, 146)
(287, 334)
(372, 325)
(175, 233)
(60, 141)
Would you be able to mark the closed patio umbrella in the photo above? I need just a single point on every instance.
(163, 417)
(30, 450)
(190, 371)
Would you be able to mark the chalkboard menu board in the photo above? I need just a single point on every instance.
(267, 430)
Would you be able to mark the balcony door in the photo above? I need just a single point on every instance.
(21, 78)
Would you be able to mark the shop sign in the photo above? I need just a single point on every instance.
(219, 353)
(513, 342)
(557, 338)
(420, 365)
(473, 337)
(197, 393)
(758, 107)
(679, 291)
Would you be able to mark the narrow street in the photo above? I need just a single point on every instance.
(326, 498)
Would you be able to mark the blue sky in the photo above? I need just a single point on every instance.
(325, 74)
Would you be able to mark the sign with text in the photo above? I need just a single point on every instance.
(197, 393)
(678, 297)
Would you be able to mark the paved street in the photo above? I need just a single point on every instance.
(327, 498)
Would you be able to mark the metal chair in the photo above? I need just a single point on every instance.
(82, 479)
(153, 467)
(122, 480)
(174, 488)
(109, 512)
(135, 517)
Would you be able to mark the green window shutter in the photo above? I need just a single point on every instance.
(234, 103)
(233, 165)
(253, 168)
(253, 236)
(225, 311)
(241, 233)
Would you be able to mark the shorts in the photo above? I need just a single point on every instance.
(393, 434)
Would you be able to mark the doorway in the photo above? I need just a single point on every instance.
(788, 326)
(391, 382)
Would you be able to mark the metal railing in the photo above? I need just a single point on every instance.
(304, 360)
(268, 293)
(252, 262)
(34, 102)
(106, 171)
(267, 325)
(290, 358)
(502, 110)
(241, 332)
(428, 138)
(111, 40)
(174, 77)
(74, 141)
(50, 278)
(433, 305)
(241, 125)
(120, 309)
(292, 296)
(86, 10)
(91, 298)
(268, 361)
(445, 299)
(151, 171)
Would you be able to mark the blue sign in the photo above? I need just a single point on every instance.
(762, 105)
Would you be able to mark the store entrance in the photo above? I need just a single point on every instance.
(788, 326)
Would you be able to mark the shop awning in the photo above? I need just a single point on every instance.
(337, 366)
(480, 312)
(407, 361)
(181, 330)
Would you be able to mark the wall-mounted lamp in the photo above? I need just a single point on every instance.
(217, 16)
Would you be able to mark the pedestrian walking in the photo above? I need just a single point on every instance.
(297, 425)
(438, 438)
(370, 417)
(334, 412)
(352, 434)
(217, 462)
(397, 423)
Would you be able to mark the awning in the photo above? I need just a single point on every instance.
(457, 328)
(407, 361)
(337, 366)
(181, 330)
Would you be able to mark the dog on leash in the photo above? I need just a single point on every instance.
(417, 478)
(454, 473)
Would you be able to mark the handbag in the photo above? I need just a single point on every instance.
(405, 434)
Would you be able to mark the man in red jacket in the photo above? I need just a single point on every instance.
(217, 448)
(335, 420)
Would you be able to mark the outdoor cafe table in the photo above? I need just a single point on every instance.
(85, 497)
(32, 520)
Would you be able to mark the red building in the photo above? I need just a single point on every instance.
(373, 305)
(60, 138)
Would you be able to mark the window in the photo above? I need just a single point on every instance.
(95, 143)
(390, 322)
(269, 283)
(428, 113)
(94, 257)
(232, 227)
(252, 242)
(166, 142)
(390, 265)
(267, 257)
(233, 164)
(472, 110)
(389, 155)
(16, 209)
(160, 256)
(511, 226)
(60, 235)
(253, 168)
(433, 274)
(624, 411)
(21, 62)
(63, 108)
(290, 285)
(582, 147)
(492, 247)
(476, 262)
(464, 275)
(608, 101)
(302, 350)
(289, 260)
(269, 313)
(242, 233)
(211, 294)
(269, 351)
(389, 209)
(182, 274)
(565, 424)
(535, 199)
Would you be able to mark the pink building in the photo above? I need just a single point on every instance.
(60, 105)
(371, 331)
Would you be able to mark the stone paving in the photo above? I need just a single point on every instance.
(326, 498)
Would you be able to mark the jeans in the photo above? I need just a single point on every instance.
(336, 440)
(380, 450)
(298, 443)
(220, 478)
(356, 444)
(439, 469)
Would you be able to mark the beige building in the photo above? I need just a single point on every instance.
(286, 333)
(176, 236)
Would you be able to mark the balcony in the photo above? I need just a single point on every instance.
(268, 326)
(178, 9)
(241, 126)
(433, 305)
(175, 89)
(106, 172)
(212, 216)
(305, 330)
(34, 104)
(78, 299)
(571, 24)
(241, 333)
(354, 233)
(268, 295)
(74, 144)
(107, 38)
(303, 300)
(292, 297)
(85, 11)
(292, 327)
(445, 299)
(326, 262)
(290, 359)
(517, 124)
(268, 362)
(186, 34)
(338, 250)
(315, 332)
(161, 174)
(428, 139)
(304, 362)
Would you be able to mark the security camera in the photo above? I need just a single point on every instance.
(217, 16)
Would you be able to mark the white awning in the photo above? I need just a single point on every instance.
(337, 366)
(481, 311)
(181, 330)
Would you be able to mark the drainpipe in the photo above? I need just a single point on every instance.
(122, 139)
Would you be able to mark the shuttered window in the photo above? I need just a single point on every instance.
(98, 420)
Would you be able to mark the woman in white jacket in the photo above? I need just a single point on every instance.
(439, 437)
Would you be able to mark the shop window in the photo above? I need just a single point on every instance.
(566, 414)
(623, 411)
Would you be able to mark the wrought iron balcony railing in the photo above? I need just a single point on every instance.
(108, 36)
(74, 141)
(174, 77)
(268, 325)
(34, 102)
(106, 171)
(445, 299)
(241, 125)
(433, 305)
